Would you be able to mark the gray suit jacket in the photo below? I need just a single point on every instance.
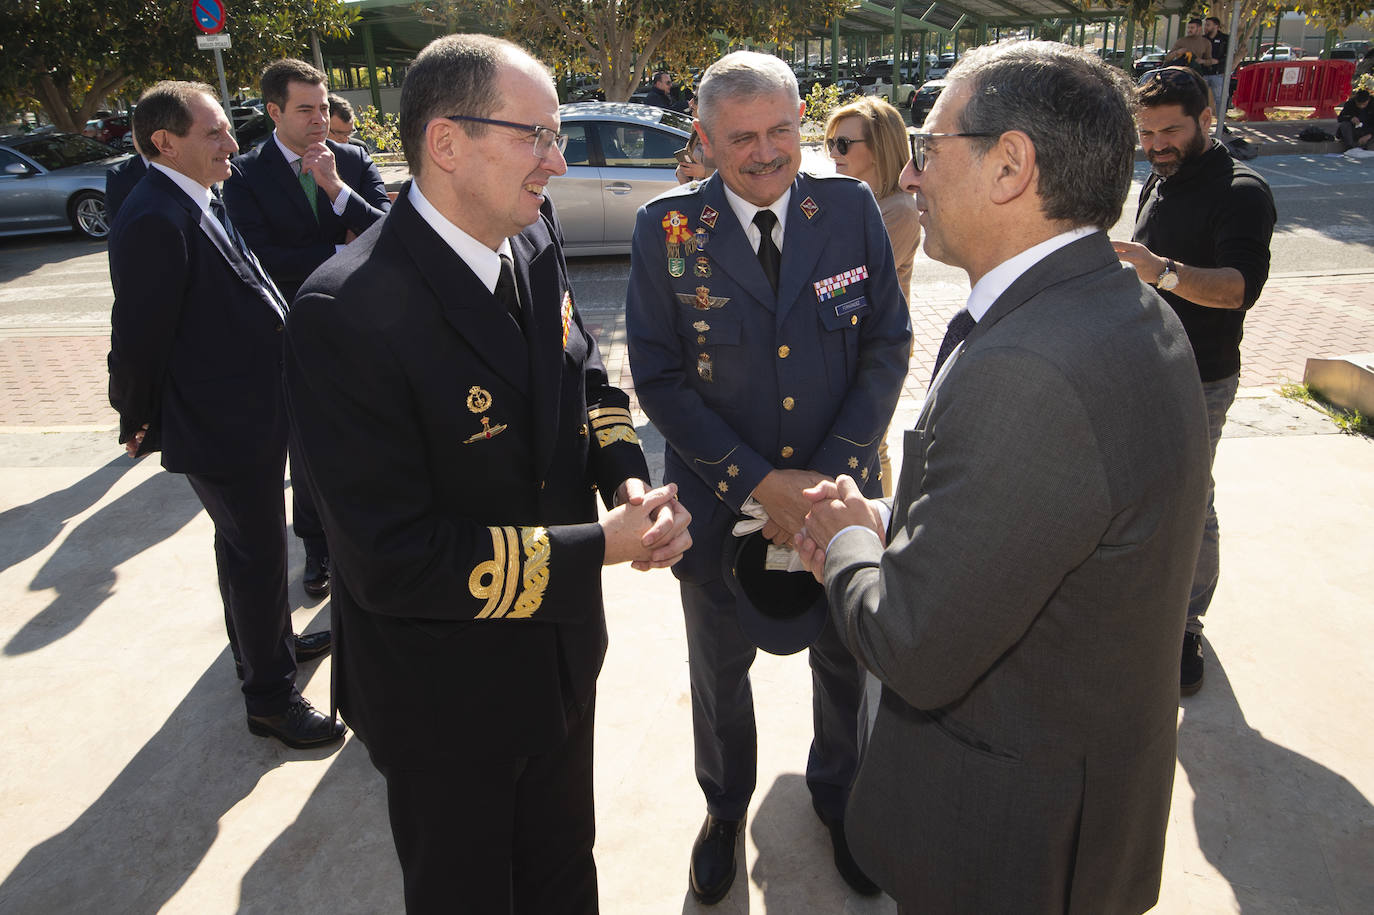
(1026, 616)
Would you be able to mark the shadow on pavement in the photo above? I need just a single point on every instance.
(26, 529)
(337, 855)
(136, 845)
(82, 570)
(1276, 824)
(25, 254)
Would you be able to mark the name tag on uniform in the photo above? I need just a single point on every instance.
(852, 306)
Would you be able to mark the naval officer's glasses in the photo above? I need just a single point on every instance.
(920, 143)
(545, 138)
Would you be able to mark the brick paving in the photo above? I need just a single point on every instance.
(53, 378)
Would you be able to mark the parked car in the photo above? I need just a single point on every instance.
(1146, 64)
(620, 156)
(109, 130)
(241, 114)
(50, 182)
(942, 65)
(924, 100)
(1280, 52)
(253, 131)
(1347, 50)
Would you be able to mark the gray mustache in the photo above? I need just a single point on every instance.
(761, 167)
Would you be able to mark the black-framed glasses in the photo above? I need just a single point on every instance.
(545, 138)
(920, 141)
(841, 144)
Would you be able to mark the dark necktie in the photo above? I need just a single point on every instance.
(507, 294)
(769, 256)
(959, 327)
(218, 210)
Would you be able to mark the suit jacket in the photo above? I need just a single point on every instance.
(741, 380)
(266, 203)
(1025, 617)
(119, 181)
(456, 464)
(195, 338)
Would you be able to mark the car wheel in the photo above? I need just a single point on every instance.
(87, 211)
(911, 99)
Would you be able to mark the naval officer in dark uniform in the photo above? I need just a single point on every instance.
(768, 341)
(458, 436)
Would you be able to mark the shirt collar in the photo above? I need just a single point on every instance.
(483, 261)
(193, 188)
(287, 154)
(997, 280)
(744, 211)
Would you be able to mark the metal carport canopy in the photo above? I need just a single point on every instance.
(877, 16)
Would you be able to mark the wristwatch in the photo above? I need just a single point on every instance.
(1168, 277)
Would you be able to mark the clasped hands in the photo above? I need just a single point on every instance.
(647, 528)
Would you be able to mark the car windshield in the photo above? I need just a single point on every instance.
(677, 120)
(64, 150)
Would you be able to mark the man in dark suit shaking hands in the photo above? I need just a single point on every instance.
(298, 198)
(195, 371)
(458, 422)
(1023, 608)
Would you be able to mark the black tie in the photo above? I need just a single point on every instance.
(769, 256)
(507, 294)
(269, 289)
(959, 327)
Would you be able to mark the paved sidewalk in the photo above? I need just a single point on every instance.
(129, 783)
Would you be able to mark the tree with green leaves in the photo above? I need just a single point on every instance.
(622, 39)
(68, 57)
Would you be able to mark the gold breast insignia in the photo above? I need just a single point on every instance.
(479, 399)
(703, 300)
(488, 431)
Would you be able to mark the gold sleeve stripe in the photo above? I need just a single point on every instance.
(598, 412)
(536, 543)
(616, 433)
(602, 421)
(866, 444)
(718, 461)
(496, 579)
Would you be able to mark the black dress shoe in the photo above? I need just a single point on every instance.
(313, 645)
(713, 859)
(316, 575)
(299, 727)
(849, 869)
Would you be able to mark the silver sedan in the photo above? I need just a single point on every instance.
(620, 156)
(50, 182)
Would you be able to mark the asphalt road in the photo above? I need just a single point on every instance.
(1326, 224)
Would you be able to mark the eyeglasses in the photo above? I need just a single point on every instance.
(841, 144)
(545, 138)
(920, 141)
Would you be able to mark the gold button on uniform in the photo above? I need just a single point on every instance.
(784, 351)
(853, 320)
(787, 451)
(788, 403)
(701, 338)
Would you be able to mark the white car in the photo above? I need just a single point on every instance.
(882, 88)
(620, 156)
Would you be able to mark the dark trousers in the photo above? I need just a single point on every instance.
(305, 517)
(249, 513)
(725, 738)
(491, 835)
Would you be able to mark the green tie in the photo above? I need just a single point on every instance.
(307, 181)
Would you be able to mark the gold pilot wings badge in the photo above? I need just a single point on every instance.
(702, 300)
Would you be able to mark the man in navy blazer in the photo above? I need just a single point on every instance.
(195, 372)
(762, 385)
(120, 180)
(299, 198)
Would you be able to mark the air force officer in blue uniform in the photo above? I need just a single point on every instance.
(768, 341)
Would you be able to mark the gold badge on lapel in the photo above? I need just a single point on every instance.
(488, 431)
(479, 399)
(567, 314)
(702, 300)
(809, 208)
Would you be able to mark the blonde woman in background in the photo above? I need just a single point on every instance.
(867, 140)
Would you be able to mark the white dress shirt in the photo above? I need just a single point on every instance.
(482, 260)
